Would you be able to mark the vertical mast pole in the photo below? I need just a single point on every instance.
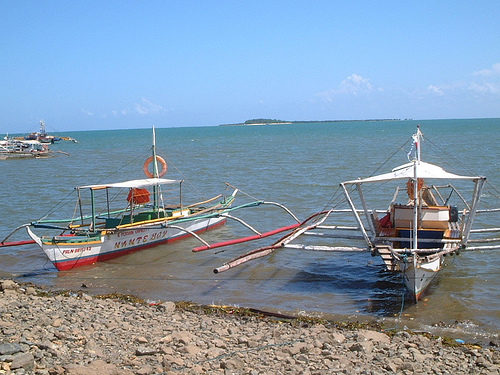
(155, 170)
(416, 163)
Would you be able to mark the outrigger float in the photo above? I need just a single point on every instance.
(429, 221)
(151, 217)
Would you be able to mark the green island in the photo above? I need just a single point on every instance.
(265, 121)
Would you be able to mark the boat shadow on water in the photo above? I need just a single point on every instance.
(373, 290)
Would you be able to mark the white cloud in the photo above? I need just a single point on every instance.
(435, 90)
(488, 81)
(485, 82)
(493, 72)
(485, 88)
(147, 107)
(353, 85)
(88, 113)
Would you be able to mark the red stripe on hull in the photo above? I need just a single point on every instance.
(87, 261)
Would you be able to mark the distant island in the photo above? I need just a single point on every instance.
(266, 121)
(259, 121)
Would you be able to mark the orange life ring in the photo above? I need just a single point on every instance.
(163, 166)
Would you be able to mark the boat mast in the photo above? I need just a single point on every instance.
(153, 151)
(417, 137)
(42, 127)
(155, 171)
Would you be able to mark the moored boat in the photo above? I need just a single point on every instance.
(20, 149)
(43, 137)
(148, 214)
(429, 215)
(433, 220)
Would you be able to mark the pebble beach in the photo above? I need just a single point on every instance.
(74, 333)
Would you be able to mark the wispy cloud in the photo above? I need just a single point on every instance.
(147, 107)
(435, 90)
(88, 113)
(485, 81)
(485, 87)
(488, 81)
(493, 72)
(353, 85)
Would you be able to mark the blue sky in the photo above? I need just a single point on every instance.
(85, 65)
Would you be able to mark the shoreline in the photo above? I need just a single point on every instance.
(58, 333)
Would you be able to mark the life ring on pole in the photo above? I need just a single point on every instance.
(163, 166)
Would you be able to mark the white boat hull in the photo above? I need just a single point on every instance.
(68, 252)
(418, 274)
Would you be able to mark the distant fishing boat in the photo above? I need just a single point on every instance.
(145, 217)
(430, 220)
(17, 149)
(43, 137)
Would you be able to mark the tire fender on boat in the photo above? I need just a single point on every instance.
(163, 166)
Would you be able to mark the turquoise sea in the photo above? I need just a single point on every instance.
(298, 165)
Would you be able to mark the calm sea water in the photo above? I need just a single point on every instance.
(299, 165)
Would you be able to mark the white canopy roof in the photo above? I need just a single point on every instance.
(406, 171)
(145, 182)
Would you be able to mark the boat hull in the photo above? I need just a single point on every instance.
(21, 155)
(418, 274)
(68, 252)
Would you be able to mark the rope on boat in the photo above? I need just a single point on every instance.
(242, 192)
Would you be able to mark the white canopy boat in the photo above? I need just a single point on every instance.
(431, 220)
(23, 149)
(145, 217)
(414, 237)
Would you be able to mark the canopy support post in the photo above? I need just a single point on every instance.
(357, 217)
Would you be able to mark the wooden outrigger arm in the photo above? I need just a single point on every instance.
(16, 243)
(245, 239)
(257, 235)
(298, 230)
(187, 231)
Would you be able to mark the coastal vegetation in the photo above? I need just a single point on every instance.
(265, 121)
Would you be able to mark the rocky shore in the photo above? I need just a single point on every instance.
(78, 334)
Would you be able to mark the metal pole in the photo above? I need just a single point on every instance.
(358, 219)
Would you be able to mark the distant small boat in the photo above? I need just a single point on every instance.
(107, 227)
(16, 149)
(43, 137)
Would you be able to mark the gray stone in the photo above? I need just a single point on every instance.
(366, 335)
(23, 360)
(9, 285)
(10, 348)
(190, 349)
(142, 350)
(97, 367)
(30, 291)
(167, 306)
